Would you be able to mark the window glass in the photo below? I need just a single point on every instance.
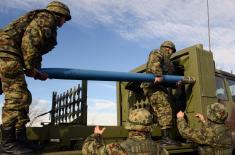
(220, 89)
(232, 88)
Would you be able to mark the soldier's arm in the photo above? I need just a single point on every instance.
(93, 145)
(154, 63)
(195, 135)
(114, 148)
(35, 38)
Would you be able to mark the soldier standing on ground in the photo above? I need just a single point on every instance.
(214, 138)
(22, 44)
(139, 140)
(159, 63)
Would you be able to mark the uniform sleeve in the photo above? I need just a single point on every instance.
(35, 38)
(114, 148)
(154, 63)
(94, 145)
(201, 136)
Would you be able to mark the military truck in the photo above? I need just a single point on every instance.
(68, 127)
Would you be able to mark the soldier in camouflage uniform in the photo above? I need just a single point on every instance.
(138, 142)
(214, 138)
(159, 63)
(22, 44)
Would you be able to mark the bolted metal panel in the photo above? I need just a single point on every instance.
(70, 106)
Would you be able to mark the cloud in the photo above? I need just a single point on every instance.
(109, 86)
(45, 119)
(100, 104)
(101, 112)
(38, 106)
(21, 5)
(185, 23)
(96, 118)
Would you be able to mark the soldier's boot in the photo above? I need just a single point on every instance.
(21, 138)
(9, 144)
(166, 140)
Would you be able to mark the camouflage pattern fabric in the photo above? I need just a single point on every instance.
(94, 145)
(138, 143)
(22, 44)
(214, 139)
(159, 64)
(169, 44)
(59, 8)
(162, 108)
(17, 96)
(28, 39)
(139, 120)
(216, 113)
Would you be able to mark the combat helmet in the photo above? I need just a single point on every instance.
(139, 120)
(169, 44)
(217, 113)
(59, 8)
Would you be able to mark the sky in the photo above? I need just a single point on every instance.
(118, 36)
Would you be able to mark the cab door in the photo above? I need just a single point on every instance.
(225, 92)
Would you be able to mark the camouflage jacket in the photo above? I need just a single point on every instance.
(212, 138)
(136, 143)
(94, 145)
(157, 64)
(29, 37)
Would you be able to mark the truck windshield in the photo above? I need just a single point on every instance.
(220, 89)
(232, 88)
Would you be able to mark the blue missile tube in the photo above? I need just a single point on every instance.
(82, 74)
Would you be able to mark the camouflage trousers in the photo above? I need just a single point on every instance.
(17, 96)
(162, 109)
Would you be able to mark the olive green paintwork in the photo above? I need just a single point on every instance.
(195, 62)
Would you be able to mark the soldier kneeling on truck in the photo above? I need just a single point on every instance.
(139, 140)
(214, 138)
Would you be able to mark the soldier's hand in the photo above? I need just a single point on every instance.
(30, 72)
(179, 83)
(99, 130)
(158, 80)
(200, 117)
(36, 74)
(180, 114)
(40, 75)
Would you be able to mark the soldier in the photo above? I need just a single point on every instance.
(214, 138)
(138, 142)
(22, 44)
(159, 63)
